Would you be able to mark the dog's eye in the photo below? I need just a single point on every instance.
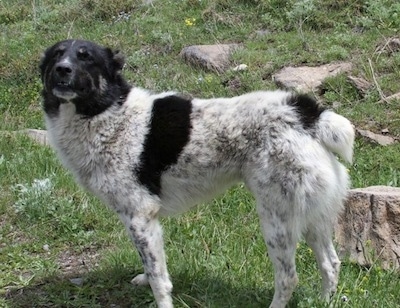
(59, 52)
(84, 55)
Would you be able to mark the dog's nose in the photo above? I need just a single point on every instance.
(64, 69)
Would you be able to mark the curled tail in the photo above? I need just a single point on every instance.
(336, 133)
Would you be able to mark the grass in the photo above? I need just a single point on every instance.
(51, 231)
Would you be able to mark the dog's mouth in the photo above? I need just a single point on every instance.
(64, 90)
(70, 85)
(63, 86)
(67, 91)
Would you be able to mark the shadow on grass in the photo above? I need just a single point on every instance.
(111, 288)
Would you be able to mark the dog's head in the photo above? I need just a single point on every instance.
(83, 73)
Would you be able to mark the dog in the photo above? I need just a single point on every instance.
(148, 155)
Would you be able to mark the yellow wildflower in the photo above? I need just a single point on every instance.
(209, 78)
(190, 21)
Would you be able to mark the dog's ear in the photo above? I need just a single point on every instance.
(41, 65)
(44, 59)
(118, 60)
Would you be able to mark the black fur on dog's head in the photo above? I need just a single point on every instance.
(83, 73)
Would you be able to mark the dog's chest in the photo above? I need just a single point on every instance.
(83, 152)
(97, 151)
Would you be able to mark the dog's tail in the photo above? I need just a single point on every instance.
(336, 133)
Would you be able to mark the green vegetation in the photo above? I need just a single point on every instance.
(51, 231)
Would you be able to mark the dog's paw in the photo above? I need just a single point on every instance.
(140, 280)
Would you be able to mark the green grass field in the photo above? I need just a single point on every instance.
(51, 231)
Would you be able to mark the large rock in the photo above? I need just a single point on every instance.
(368, 231)
(308, 78)
(38, 135)
(210, 57)
(390, 98)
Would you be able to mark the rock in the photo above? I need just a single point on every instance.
(306, 78)
(390, 98)
(368, 231)
(376, 138)
(210, 57)
(262, 33)
(336, 105)
(233, 84)
(391, 45)
(360, 84)
(37, 135)
(77, 281)
(344, 298)
(240, 67)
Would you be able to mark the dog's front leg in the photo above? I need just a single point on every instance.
(147, 235)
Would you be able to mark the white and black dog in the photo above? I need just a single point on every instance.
(149, 155)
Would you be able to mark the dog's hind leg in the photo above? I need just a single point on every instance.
(328, 262)
(146, 233)
(281, 238)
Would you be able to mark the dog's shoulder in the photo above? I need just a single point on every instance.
(139, 97)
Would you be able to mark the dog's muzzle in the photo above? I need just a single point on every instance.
(62, 81)
(68, 83)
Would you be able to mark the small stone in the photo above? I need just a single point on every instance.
(261, 33)
(240, 67)
(390, 45)
(210, 57)
(234, 84)
(76, 281)
(360, 84)
(46, 247)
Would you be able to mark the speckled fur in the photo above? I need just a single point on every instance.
(258, 138)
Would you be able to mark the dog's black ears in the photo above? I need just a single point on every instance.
(43, 62)
(41, 65)
(118, 59)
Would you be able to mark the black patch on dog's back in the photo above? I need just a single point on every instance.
(169, 132)
(307, 108)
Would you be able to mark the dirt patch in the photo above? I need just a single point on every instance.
(73, 263)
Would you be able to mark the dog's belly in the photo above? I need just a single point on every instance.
(179, 194)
